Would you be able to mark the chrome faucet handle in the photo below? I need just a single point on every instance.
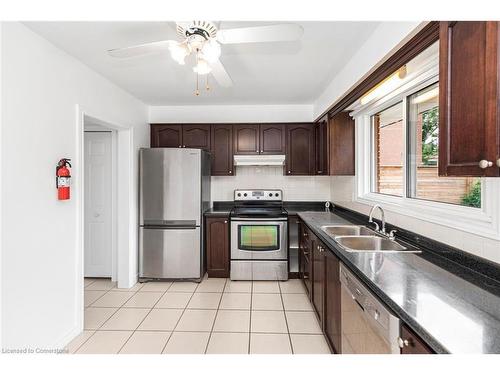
(377, 228)
(392, 235)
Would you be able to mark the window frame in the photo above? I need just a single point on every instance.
(484, 221)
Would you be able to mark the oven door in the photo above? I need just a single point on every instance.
(259, 239)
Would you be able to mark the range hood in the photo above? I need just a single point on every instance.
(259, 160)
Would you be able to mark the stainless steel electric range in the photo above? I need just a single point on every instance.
(259, 236)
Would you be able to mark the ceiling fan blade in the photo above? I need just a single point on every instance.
(220, 74)
(273, 33)
(141, 49)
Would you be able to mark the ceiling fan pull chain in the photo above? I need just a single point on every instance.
(207, 86)
(197, 92)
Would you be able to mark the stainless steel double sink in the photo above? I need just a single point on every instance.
(357, 238)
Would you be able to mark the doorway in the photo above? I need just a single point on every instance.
(99, 220)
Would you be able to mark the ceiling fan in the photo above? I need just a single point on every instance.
(203, 40)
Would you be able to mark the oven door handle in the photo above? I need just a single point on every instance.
(253, 219)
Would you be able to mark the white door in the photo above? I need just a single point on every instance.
(98, 192)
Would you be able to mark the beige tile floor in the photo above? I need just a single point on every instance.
(215, 316)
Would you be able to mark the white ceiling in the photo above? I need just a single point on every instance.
(265, 73)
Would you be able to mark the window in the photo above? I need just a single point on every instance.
(397, 157)
(388, 151)
(413, 144)
(423, 151)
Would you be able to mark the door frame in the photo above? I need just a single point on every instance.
(126, 238)
(95, 128)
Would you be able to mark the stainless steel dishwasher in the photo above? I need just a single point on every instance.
(367, 326)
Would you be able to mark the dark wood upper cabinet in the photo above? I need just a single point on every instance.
(272, 139)
(321, 146)
(177, 135)
(332, 312)
(246, 139)
(469, 131)
(166, 135)
(412, 344)
(217, 245)
(222, 150)
(196, 136)
(300, 156)
(341, 145)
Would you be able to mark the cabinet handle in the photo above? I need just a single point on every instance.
(289, 172)
(320, 172)
(483, 164)
(402, 343)
(225, 221)
(498, 162)
(230, 172)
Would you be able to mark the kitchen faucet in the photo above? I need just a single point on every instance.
(370, 219)
(391, 235)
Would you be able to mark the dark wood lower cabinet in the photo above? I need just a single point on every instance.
(305, 264)
(332, 313)
(318, 296)
(217, 246)
(412, 344)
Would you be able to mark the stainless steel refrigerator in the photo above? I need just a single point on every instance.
(174, 191)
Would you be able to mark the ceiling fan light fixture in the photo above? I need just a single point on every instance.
(211, 50)
(179, 52)
(202, 67)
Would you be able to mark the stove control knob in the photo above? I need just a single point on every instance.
(270, 194)
(244, 194)
(277, 194)
(239, 194)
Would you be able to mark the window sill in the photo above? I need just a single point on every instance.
(466, 219)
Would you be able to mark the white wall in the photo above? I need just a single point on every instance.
(295, 188)
(231, 113)
(385, 40)
(342, 193)
(42, 87)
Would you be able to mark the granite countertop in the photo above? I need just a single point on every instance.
(217, 212)
(451, 314)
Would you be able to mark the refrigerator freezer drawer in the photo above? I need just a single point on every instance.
(170, 253)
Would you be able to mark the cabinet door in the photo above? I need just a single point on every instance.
(196, 136)
(217, 245)
(299, 149)
(305, 265)
(341, 145)
(246, 139)
(468, 99)
(166, 135)
(321, 149)
(272, 139)
(222, 150)
(318, 275)
(412, 344)
(332, 301)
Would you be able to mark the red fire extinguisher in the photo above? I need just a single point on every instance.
(63, 179)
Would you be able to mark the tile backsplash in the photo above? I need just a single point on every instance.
(295, 188)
